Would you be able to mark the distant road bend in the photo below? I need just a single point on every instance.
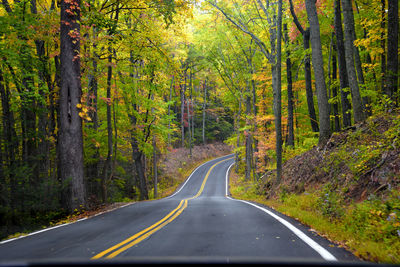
(198, 222)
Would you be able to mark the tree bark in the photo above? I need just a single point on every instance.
(278, 95)
(348, 20)
(334, 89)
(290, 139)
(307, 70)
(183, 87)
(70, 137)
(248, 141)
(318, 65)
(107, 164)
(344, 81)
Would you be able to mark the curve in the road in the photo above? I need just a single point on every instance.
(142, 235)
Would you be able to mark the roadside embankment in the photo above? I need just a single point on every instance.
(347, 190)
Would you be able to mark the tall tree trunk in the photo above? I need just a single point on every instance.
(155, 171)
(237, 126)
(188, 117)
(70, 136)
(107, 164)
(334, 89)
(308, 80)
(248, 141)
(344, 81)
(137, 157)
(318, 65)
(348, 20)
(93, 166)
(277, 70)
(169, 109)
(192, 103)
(183, 87)
(392, 70)
(307, 70)
(290, 140)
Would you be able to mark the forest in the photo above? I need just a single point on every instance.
(95, 93)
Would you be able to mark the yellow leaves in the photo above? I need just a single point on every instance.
(376, 213)
(83, 113)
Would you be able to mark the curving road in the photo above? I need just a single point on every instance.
(199, 223)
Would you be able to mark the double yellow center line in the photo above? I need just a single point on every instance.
(140, 236)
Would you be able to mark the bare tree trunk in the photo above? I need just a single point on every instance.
(348, 20)
(188, 117)
(70, 137)
(169, 109)
(107, 163)
(248, 141)
(344, 81)
(183, 87)
(307, 70)
(308, 80)
(277, 70)
(318, 65)
(155, 171)
(334, 89)
(290, 140)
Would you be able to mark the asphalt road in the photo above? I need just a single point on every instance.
(199, 223)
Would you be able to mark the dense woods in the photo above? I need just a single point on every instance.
(94, 92)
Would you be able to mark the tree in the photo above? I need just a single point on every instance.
(307, 69)
(290, 137)
(318, 65)
(348, 20)
(344, 81)
(70, 136)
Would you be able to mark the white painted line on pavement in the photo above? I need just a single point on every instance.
(41, 231)
(61, 225)
(314, 245)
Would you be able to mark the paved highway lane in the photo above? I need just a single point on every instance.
(199, 220)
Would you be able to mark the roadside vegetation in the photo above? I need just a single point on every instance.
(347, 190)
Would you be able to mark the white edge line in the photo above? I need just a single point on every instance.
(61, 225)
(41, 231)
(314, 245)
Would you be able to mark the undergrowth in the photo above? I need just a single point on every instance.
(347, 190)
(370, 230)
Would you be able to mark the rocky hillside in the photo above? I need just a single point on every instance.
(347, 190)
(357, 162)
